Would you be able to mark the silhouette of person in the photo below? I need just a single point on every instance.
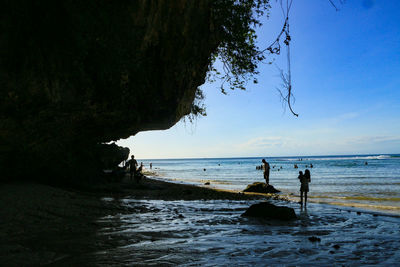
(304, 180)
(138, 174)
(132, 166)
(139, 170)
(266, 171)
(151, 165)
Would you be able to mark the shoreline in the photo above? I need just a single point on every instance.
(292, 197)
(162, 189)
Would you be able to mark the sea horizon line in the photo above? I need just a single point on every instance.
(266, 157)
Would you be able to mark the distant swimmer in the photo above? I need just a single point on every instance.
(266, 171)
(295, 166)
(366, 163)
(311, 166)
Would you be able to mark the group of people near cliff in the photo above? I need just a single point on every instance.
(304, 179)
(134, 171)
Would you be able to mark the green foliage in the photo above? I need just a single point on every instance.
(236, 21)
(197, 108)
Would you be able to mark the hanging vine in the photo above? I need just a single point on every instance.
(235, 22)
(275, 48)
(285, 90)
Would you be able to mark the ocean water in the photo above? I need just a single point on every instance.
(337, 180)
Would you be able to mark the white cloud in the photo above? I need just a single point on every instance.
(263, 142)
(344, 117)
(359, 140)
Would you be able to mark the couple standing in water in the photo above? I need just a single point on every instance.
(305, 179)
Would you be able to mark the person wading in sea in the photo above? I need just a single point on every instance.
(266, 171)
(304, 180)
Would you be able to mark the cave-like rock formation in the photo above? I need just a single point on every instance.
(75, 74)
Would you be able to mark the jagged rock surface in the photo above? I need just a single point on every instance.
(74, 74)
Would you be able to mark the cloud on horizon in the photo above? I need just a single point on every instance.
(372, 139)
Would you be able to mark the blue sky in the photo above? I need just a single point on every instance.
(346, 81)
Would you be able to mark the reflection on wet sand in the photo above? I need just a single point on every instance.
(208, 233)
(55, 226)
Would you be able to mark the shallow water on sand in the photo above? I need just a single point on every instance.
(339, 180)
(212, 233)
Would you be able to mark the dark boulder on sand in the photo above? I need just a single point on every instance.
(268, 210)
(259, 187)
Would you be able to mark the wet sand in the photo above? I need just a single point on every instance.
(158, 223)
(40, 224)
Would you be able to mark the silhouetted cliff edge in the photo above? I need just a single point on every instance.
(75, 75)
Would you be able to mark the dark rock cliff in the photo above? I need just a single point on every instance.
(74, 74)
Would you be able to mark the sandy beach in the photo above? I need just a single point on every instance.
(160, 223)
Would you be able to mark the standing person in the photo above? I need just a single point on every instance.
(304, 180)
(266, 171)
(151, 165)
(132, 166)
(301, 178)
